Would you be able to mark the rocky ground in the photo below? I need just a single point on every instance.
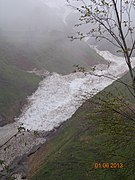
(15, 149)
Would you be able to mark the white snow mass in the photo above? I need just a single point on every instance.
(59, 96)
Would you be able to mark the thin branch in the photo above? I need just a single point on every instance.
(133, 47)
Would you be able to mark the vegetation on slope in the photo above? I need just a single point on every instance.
(89, 138)
(15, 82)
(15, 86)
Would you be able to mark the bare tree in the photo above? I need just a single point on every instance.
(111, 20)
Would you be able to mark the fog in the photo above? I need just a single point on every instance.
(28, 17)
(103, 44)
(39, 30)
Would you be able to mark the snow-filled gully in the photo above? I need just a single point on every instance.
(59, 96)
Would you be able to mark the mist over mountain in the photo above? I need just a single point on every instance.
(39, 29)
(34, 34)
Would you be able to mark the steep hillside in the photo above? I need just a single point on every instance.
(71, 153)
(15, 83)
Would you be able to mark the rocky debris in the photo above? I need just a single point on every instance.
(19, 177)
(16, 150)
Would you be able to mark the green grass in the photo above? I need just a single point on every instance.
(79, 144)
(15, 86)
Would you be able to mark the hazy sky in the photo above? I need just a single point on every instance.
(40, 30)
(32, 15)
(44, 26)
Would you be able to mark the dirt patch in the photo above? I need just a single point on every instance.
(34, 160)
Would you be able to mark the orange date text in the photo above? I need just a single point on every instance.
(106, 165)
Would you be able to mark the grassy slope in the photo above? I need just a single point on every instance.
(71, 154)
(15, 83)
(15, 86)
